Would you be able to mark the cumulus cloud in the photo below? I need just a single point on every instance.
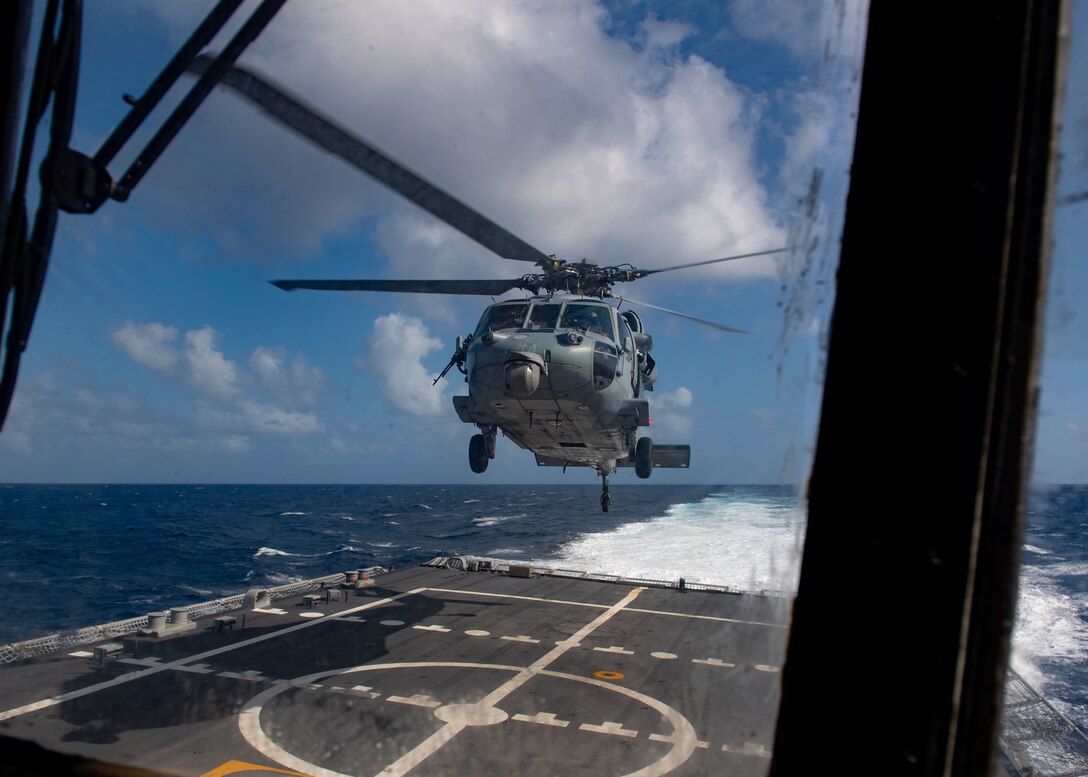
(204, 366)
(667, 410)
(149, 344)
(246, 417)
(225, 403)
(286, 377)
(210, 370)
(793, 24)
(268, 418)
(397, 346)
(584, 145)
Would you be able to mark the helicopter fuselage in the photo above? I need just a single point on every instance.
(562, 376)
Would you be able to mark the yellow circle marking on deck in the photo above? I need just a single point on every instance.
(234, 767)
(606, 675)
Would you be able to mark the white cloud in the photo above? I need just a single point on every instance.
(581, 144)
(148, 344)
(397, 345)
(666, 409)
(234, 443)
(680, 398)
(795, 24)
(268, 418)
(663, 34)
(210, 371)
(293, 379)
(245, 417)
(206, 368)
(225, 407)
(267, 365)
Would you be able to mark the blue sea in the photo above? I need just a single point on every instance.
(78, 555)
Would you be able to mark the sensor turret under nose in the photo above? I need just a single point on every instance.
(522, 373)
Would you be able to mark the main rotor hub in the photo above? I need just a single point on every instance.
(585, 278)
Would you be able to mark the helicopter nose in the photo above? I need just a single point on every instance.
(522, 373)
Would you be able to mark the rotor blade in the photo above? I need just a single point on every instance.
(714, 324)
(644, 273)
(378, 165)
(484, 288)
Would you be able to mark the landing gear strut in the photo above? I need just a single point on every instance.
(606, 500)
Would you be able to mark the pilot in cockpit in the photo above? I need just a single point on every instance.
(588, 318)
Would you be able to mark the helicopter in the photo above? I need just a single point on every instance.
(561, 373)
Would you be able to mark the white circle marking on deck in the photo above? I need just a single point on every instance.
(311, 615)
(664, 656)
(683, 740)
(391, 623)
(477, 633)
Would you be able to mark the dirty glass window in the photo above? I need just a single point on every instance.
(235, 491)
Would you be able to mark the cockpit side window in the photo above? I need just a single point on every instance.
(625, 335)
(588, 317)
(544, 315)
(503, 316)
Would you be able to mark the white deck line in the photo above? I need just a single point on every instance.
(433, 743)
(544, 600)
(522, 598)
(181, 662)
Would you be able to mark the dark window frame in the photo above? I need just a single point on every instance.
(903, 619)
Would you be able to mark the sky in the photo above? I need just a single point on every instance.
(654, 133)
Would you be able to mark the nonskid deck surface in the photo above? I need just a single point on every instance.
(429, 670)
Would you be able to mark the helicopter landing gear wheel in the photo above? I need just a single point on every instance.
(477, 453)
(606, 500)
(644, 457)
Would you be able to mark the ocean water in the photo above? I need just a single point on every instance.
(77, 555)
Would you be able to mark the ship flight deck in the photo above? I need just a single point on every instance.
(425, 669)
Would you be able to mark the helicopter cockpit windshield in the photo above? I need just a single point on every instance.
(545, 315)
(589, 317)
(509, 315)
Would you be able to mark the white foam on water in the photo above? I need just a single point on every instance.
(292, 513)
(1051, 623)
(748, 544)
(492, 520)
(279, 578)
(338, 549)
(272, 552)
